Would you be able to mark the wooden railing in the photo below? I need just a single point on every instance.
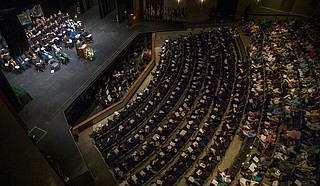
(277, 16)
(124, 100)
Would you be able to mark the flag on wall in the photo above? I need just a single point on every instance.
(36, 11)
(24, 18)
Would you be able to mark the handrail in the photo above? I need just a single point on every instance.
(277, 14)
(123, 101)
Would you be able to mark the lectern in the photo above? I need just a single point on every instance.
(133, 19)
(82, 51)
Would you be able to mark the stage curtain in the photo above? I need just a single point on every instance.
(12, 31)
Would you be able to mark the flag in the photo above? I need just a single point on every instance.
(37, 11)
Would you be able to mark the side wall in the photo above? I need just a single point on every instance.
(300, 7)
(197, 12)
(305, 7)
(174, 4)
(21, 162)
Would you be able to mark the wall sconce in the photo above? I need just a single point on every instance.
(201, 2)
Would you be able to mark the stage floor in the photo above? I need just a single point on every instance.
(52, 93)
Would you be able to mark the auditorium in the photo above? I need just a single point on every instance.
(160, 92)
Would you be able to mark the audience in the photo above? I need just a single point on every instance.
(205, 91)
(122, 75)
(288, 137)
(156, 121)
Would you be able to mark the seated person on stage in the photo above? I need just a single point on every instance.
(54, 63)
(88, 38)
(38, 63)
(62, 57)
(23, 62)
(14, 66)
(4, 63)
(73, 35)
(69, 43)
(46, 56)
(56, 48)
(11, 64)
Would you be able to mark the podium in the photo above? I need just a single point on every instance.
(133, 19)
(82, 51)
